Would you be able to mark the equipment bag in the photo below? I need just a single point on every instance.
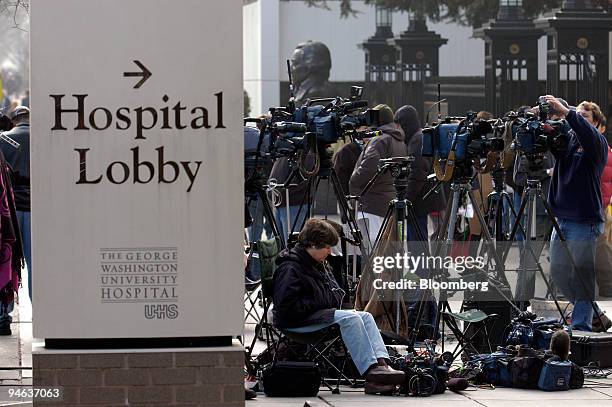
(492, 369)
(526, 371)
(543, 332)
(291, 379)
(555, 375)
(590, 347)
(577, 377)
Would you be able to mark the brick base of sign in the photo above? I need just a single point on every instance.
(151, 377)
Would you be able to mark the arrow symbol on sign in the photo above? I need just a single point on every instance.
(145, 73)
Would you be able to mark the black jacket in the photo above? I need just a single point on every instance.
(345, 160)
(305, 293)
(19, 161)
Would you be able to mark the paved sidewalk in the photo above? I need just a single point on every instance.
(594, 395)
(16, 353)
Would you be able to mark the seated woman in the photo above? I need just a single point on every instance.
(307, 299)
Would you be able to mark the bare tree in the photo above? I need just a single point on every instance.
(18, 10)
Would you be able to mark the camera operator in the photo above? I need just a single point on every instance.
(575, 199)
(407, 118)
(392, 143)
(307, 298)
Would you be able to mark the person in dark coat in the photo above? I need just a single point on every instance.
(577, 175)
(374, 204)
(344, 161)
(19, 161)
(307, 299)
(407, 118)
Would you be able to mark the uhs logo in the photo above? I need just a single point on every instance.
(161, 311)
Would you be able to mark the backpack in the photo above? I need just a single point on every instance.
(526, 368)
(262, 264)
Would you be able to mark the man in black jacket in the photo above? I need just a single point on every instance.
(308, 299)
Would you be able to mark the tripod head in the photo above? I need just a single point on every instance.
(399, 168)
(498, 175)
(536, 167)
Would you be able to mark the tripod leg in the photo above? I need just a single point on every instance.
(345, 210)
(401, 220)
(381, 298)
(349, 216)
(515, 226)
(269, 214)
(525, 289)
(488, 241)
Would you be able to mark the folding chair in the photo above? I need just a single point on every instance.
(322, 348)
(267, 252)
(251, 296)
(473, 317)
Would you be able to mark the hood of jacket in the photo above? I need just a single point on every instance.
(393, 131)
(408, 117)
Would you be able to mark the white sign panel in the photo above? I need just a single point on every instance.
(137, 168)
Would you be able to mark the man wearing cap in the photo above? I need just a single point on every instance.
(19, 161)
(575, 199)
(391, 143)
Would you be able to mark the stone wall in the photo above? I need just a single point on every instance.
(169, 377)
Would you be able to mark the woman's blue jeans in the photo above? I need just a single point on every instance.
(360, 335)
(578, 285)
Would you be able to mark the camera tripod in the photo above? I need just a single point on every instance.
(497, 202)
(256, 191)
(400, 213)
(460, 187)
(326, 172)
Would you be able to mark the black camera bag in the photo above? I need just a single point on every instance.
(291, 379)
(525, 371)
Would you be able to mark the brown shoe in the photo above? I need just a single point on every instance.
(385, 375)
(377, 388)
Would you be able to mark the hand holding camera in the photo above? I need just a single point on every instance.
(555, 106)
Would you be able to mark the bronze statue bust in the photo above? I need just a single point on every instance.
(310, 66)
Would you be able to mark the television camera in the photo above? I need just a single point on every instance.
(461, 141)
(537, 133)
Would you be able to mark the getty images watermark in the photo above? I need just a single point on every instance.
(430, 265)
